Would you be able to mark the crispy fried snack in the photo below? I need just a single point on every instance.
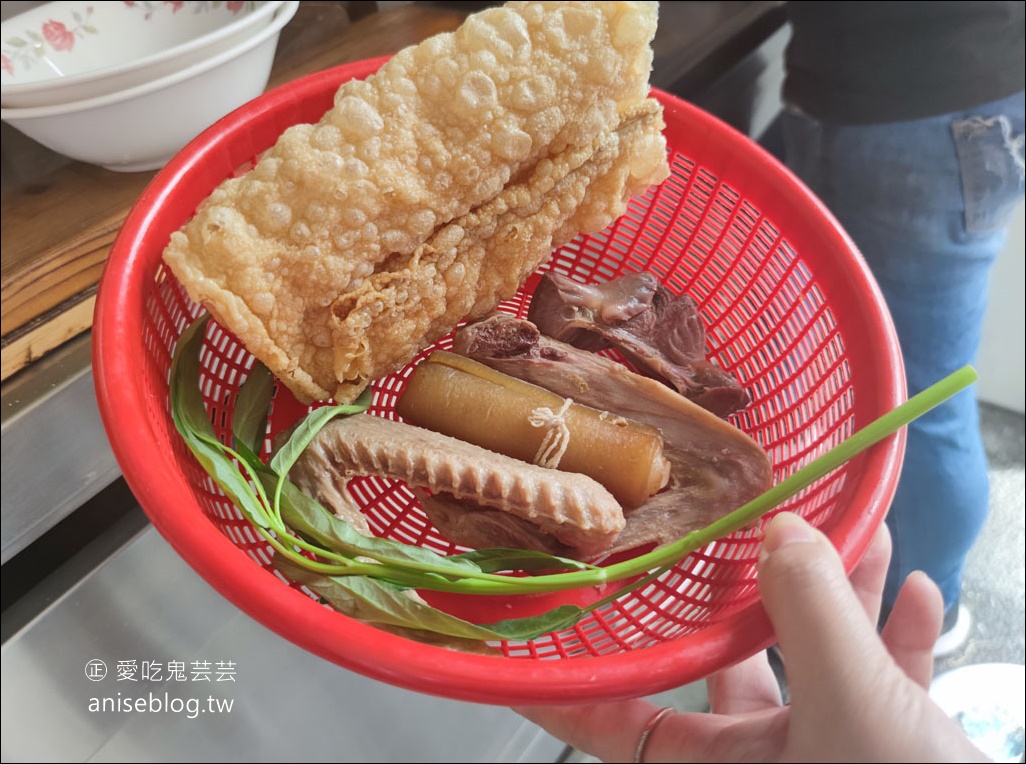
(429, 192)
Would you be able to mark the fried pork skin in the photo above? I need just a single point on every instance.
(429, 191)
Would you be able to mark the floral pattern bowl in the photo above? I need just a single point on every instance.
(69, 51)
(142, 127)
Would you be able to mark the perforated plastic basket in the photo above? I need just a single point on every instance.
(790, 309)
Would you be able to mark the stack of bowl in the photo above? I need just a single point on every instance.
(126, 85)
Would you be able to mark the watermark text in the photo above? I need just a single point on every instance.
(156, 703)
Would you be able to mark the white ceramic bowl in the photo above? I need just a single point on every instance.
(61, 52)
(142, 127)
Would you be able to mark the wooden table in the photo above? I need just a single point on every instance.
(60, 217)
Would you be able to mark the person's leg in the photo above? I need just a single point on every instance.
(928, 206)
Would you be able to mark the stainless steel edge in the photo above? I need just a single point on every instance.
(243, 694)
(55, 452)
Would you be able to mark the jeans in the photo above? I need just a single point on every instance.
(928, 202)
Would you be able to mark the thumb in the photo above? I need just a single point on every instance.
(830, 648)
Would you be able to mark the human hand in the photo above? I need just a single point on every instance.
(854, 695)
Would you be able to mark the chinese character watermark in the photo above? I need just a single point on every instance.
(96, 670)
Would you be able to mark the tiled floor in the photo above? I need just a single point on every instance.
(995, 577)
(994, 590)
(982, 684)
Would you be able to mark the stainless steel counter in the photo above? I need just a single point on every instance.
(242, 694)
(55, 451)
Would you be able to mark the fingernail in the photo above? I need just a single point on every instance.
(786, 528)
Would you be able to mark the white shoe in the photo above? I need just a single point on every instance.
(955, 637)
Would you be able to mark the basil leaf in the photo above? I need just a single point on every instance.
(187, 408)
(498, 559)
(249, 415)
(372, 601)
(308, 428)
(256, 467)
(311, 519)
(189, 414)
(224, 471)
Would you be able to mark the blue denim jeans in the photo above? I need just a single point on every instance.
(928, 202)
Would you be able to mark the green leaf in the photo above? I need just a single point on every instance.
(187, 408)
(284, 459)
(189, 414)
(498, 559)
(376, 602)
(249, 415)
(311, 519)
(223, 470)
(251, 460)
(532, 627)
(308, 428)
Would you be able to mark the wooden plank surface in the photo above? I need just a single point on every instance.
(40, 337)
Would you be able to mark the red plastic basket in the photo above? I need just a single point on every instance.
(790, 309)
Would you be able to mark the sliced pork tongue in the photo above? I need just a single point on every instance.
(715, 467)
(660, 332)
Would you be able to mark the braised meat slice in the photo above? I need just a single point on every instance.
(714, 466)
(660, 332)
(478, 527)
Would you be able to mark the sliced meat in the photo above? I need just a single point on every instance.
(319, 479)
(658, 331)
(480, 527)
(715, 467)
(574, 508)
